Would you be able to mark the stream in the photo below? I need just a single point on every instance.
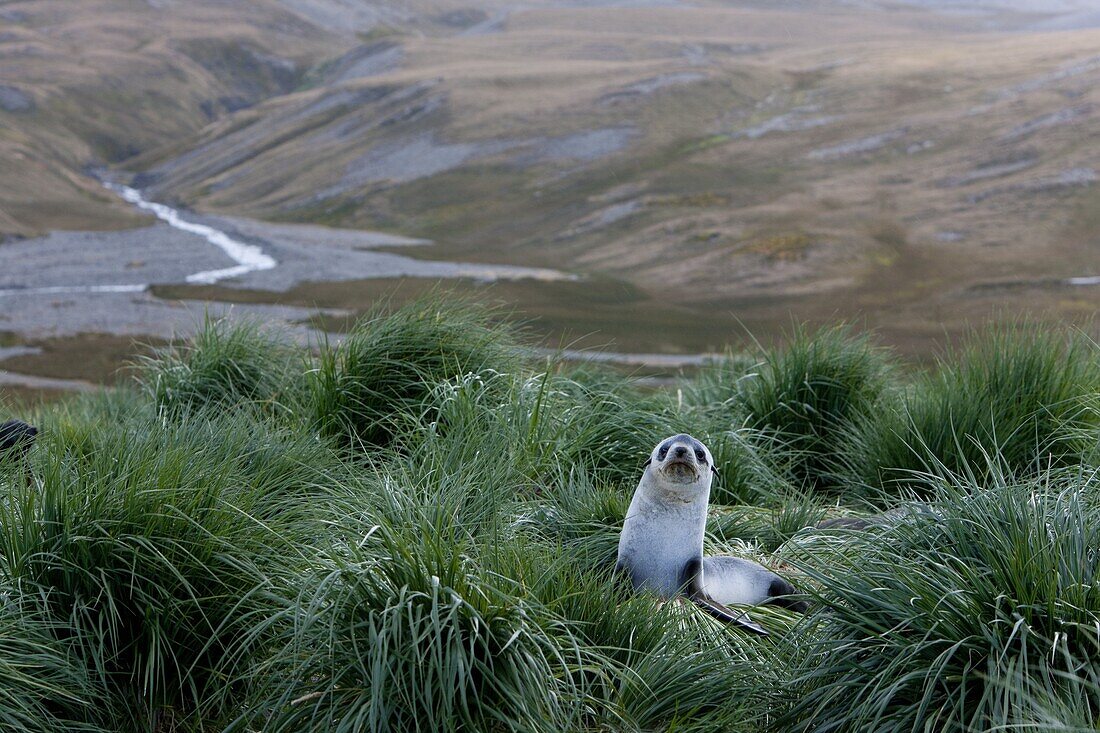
(249, 257)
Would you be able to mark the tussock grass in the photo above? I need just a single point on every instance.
(711, 407)
(551, 425)
(771, 525)
(405, 622)
(806, 398)
(717, 384)
(224, 365)
(979, 615)
(403, 630)
(42, 688)
(751, 465)
(564, 420)
(142, 543)
(1025, 395)
(581, 519)
(592, 420)
(655, 667)
(416, 529)
(367, 389)
(542, 423)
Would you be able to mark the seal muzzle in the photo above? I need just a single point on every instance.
(681, 471)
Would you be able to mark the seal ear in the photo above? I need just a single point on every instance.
(714, 470)
(647, 462)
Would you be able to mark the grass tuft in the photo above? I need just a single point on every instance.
(372, 386)
(42, 687)
(223, 365)
(402, 629)
(656, 667)
(978, 615)
(139, 543)
(805, 399)
(1024, 395)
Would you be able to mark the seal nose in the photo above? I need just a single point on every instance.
(679, 451)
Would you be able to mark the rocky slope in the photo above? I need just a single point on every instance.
(904, 162)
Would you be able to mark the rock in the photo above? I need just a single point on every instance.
(891, 517)
(13, 99)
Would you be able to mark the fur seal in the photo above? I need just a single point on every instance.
(16, 440)
(16, 436)
(661, 546)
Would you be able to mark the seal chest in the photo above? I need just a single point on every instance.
(661, 546)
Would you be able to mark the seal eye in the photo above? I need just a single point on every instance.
(700, 456)
(662, 453)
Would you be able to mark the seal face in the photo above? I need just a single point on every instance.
(682, 459)
(661, 545)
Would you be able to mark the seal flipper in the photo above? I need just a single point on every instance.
(783, 594)
(691, 580)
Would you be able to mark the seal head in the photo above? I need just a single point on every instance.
(681, 465)
(16, 440)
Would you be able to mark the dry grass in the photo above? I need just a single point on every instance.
(875, 215)
(111, 79)
(782, 247)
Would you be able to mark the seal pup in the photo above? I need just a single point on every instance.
(16, 439)
(661, 546)
(16, 436)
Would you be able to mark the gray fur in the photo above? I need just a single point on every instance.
(661, 546)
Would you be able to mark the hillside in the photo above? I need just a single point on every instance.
(915, 165)
(736, 160)
(94, 83)
(771, 151)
